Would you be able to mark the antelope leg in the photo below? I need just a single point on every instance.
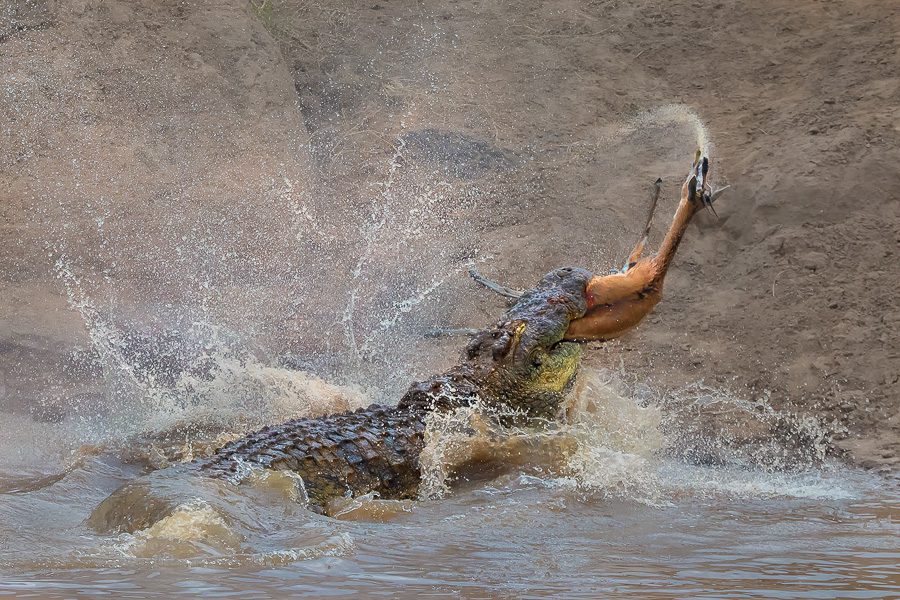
(495, 287)
(639, 248)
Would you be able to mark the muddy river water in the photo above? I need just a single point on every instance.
(597, 508)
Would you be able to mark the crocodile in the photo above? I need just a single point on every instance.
(526, 363)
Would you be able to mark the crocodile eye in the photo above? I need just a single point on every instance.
(537, 361)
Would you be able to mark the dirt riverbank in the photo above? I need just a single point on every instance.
(296, 171)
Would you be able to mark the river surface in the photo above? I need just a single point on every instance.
(598, 508)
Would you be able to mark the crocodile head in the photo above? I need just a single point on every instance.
(523, 362)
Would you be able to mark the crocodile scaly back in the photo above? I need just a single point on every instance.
(374, 449)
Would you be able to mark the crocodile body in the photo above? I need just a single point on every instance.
(374, 449)
(521, 365)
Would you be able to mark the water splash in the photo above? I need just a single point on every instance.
(203, 376)
(379, 218)
(617, 444)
